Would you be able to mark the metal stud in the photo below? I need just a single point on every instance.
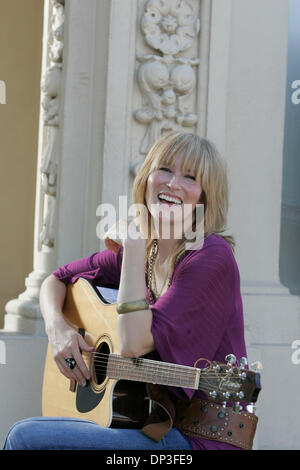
(231, 359)
(243, 362)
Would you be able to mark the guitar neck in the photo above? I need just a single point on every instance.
(147, 370)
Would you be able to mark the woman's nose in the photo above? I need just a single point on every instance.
(175, 182)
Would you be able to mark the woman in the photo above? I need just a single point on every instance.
(186, 306)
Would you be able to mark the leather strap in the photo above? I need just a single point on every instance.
(198, 417)
(163, 414)
(211, 421)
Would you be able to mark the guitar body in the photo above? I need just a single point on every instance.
(106, 401)
(115, 394)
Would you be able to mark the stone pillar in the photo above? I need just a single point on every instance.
(23, 314)
(69, 178)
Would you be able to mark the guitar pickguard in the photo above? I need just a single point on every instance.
(130, 409)
(87, 399)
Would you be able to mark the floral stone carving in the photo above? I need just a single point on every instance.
(165, 79)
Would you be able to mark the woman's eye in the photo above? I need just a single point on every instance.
(191, 177)
(164, 168)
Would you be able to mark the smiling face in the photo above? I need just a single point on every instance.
(173, 190)
(169, 167)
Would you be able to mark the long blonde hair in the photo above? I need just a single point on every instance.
(203, 158)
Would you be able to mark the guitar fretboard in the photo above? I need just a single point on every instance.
(147, 370)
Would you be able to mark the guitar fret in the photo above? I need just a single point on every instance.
(146, 370)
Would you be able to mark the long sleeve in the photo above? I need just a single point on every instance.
(104, 267)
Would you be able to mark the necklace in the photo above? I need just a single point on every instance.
(151, 277)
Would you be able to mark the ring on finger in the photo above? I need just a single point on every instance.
(70, 362)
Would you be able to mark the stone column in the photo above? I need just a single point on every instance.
(23, 314)
(69, 177)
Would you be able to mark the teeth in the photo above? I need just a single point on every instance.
(169, 198)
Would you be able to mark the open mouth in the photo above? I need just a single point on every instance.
(169, 200)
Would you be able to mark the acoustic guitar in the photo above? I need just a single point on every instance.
(115, 394)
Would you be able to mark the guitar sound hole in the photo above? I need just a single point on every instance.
(100, 363)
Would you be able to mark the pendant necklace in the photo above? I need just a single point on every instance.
(151, 276)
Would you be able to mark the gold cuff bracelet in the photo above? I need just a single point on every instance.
(134, 306)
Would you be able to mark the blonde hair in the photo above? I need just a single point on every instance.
(202, 157)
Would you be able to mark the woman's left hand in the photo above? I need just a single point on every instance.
(123, 233)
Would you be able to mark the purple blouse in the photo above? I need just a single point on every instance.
(199, 316)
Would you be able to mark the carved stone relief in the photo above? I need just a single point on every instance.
(165, 79)
(50, 102)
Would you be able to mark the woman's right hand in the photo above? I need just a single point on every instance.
(65, 342)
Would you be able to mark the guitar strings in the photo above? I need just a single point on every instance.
(101, 365)
(161, 368)
(183, 382)
(205, 386)
(157, 367)
(151, 364)
(173, 380)
(113, 356)
(115, 365)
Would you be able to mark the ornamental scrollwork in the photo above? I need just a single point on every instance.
(165, 78)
